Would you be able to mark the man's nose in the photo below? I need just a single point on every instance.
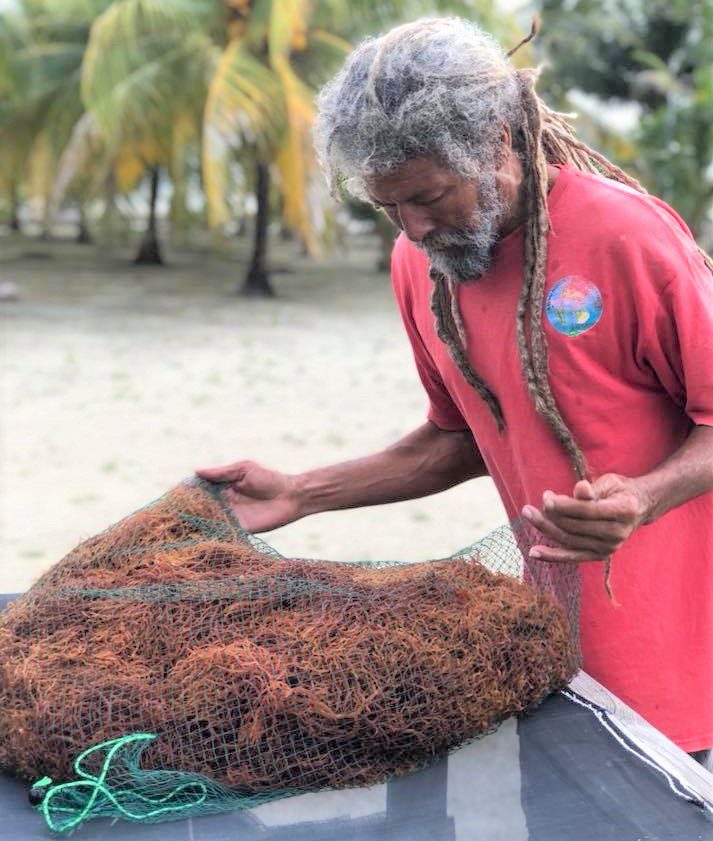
(415, 223)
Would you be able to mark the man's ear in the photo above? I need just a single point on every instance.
(506, 145)
(506, 136)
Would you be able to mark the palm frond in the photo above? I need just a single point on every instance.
(245, 106)
(287, 30)
(130, 42)
(340, 45)
(73, 160)
(295, 160)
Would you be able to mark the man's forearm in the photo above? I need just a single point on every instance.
(424, 462)
(684, 475)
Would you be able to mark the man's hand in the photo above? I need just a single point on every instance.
(261, 499)
(592, 523)
(425, 461)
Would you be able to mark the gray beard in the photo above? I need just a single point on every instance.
(470, 250)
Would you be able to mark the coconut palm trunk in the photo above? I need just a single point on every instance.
(257, 281)
(83, 235)
(15, 208)
(150, 248)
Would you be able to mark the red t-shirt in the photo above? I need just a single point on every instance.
(628, 320)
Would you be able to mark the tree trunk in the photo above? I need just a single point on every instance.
(257, 281)
(150, 248)
(83, 235)
(107, 222)
(179, 215)
(14, 208)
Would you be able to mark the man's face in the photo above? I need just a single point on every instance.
(454, 219)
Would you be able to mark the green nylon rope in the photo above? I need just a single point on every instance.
(102, 799)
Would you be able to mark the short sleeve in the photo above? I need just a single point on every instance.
(442, 411)
(677, 336)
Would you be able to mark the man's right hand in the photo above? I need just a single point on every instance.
(261, 499)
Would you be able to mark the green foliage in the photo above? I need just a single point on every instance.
(41, 51)
(658, 54)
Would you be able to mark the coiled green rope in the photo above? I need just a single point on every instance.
(66, 805)
(121, 789)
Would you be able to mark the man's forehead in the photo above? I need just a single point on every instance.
(413, 177)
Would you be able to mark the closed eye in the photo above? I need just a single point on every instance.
(432, 201)
(419, 202)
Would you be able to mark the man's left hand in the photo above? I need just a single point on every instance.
(591, 524)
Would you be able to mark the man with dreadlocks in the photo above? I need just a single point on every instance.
(562, 324)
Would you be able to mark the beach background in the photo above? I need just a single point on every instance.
(119, 381)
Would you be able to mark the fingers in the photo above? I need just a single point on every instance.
(584, 490)
(555, 555)
(604, 530)
(227, 473)
(556, 505)
(582, 535)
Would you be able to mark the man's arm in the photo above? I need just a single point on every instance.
(424, 462)
(600, 515)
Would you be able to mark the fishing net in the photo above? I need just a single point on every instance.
(175, 664)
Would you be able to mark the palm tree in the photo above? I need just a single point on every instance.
(259, 107)
(144, 83)
(16, 116)
(149, 249)
(42, 45)
(275, 56)
(257, 282)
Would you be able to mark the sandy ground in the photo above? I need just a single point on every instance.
(117, 382)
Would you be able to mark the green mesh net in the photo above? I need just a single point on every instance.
(176, 665)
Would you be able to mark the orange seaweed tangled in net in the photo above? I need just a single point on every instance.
(260, 672)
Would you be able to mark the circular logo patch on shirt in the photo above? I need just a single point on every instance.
(574, 305)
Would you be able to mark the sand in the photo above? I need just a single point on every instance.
(118, 381)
